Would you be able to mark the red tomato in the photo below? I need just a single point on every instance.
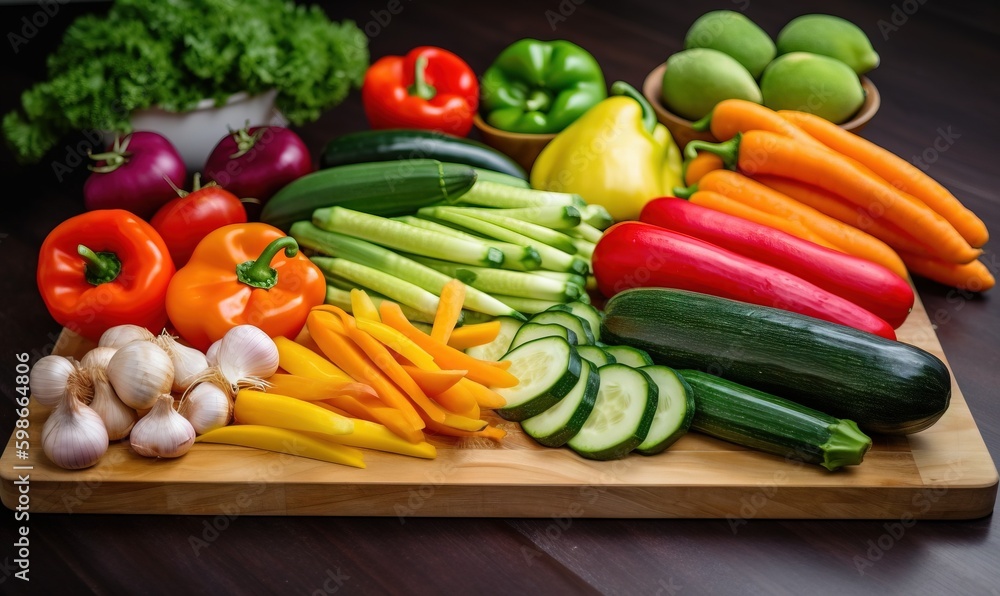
(184, 221)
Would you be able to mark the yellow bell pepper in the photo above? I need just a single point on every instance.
(616, 155)
(281, 440)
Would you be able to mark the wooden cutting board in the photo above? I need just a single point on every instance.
(944, 472)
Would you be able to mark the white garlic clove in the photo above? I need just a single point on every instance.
(247, 356)
(206, 407)
(74, 436)
(99, 358)
(122, 335)
(49, 379)
(163, 432)
(140, 372)
(212, 355)
(118, 418)
(189, 363)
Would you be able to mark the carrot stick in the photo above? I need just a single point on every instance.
(839, 209)
(434, 381)
(478, 334)
(380, 355)
(702, 164)
(373, 410)
(460, 400)
(733, 116)
(973, 276)
(445, 356)
(449, 310)
(323, 327)
(760, 152)
(895, 170)
(308, 389)
(721, 202)
(842, 236)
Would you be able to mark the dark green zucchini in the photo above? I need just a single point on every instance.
(381, 188)
(884, 386)
(759, 420)
(396, 144)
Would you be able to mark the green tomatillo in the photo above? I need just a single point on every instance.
(540, 87)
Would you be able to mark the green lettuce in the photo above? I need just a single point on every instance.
(175, 53)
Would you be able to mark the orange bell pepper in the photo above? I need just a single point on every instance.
(238, 275)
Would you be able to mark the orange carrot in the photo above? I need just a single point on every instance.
(323, 327)
(973, 276)
(839, 209)
(445, 356)
(700, 165)
(449, 310)
(478, 334)
(308, 389)
(373, 410)
(380, 355)
(842, 236)
(759, 152)
(460, 400)
(721, 202)
(732, 116)
(434, 381)
(896, 171)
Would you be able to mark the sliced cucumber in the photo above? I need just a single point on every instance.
(532, 331)
(622, 414)
(629, 356)
(561, 422)
(494, 350)
(570, 321)
(595, 355)
(674, 410)
(586, 312)
(546, 369)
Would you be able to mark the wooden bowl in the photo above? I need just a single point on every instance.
(681, 129)
(521, 147)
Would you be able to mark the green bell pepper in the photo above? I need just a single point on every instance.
(540, 86)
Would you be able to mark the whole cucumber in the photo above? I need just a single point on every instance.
(410, 144)
(885, 386)
(388, 189)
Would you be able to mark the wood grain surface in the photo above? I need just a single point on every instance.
(935, 81)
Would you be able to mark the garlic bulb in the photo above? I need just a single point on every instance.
(189, 363)
(74, 436)
(246, 357)
(52, 377)
(122, 335)
(212, 355)
(140, 372)
(206, 407)
(163, 432)
(118, 418)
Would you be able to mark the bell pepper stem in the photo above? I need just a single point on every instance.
(420, 87)
(538, 101)
(648, 115)
(102, 267)
(259, 273)
(729, 150)
(685, 192)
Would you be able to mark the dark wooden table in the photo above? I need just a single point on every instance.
(939, 100)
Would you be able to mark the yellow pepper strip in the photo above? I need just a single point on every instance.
(489, 432)
(363, 307)
(460, 400)
(283, 440)
(373, 410)
(329, 333)
(398, 343)
(434, 382)
(300, 360)
(256, 407)
(478, 334)
(308, 389)
(370, 435)
(484, 396)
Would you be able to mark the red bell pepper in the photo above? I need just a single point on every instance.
(634, 254)
(105, 268)
(429, 88)
(869, 285)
